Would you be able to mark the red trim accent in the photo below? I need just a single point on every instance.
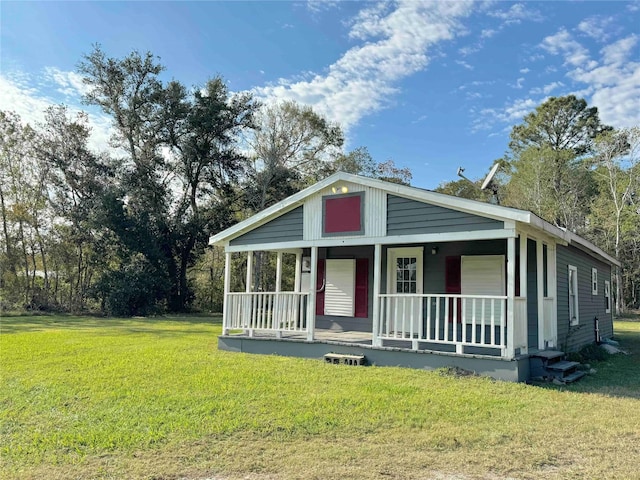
(362, 288)
(320, 285)
(453, 282)
(342, 214)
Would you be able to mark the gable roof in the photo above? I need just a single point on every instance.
(483, 209)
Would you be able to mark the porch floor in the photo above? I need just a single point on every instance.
(348, 337)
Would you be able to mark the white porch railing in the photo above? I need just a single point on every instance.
(460, 320)
(267, 311)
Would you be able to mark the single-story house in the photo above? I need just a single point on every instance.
(406, 276)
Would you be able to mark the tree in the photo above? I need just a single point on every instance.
(616, 167)
(181, 160)
(291, 146)
(545, 158)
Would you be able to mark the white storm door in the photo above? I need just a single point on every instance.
(340, 289)
(482, 275)
(404, 278)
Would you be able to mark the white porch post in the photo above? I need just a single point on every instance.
(276, 306)
(377, 276)
(313, 286)
(249, 281)
(225, 298)
(552, 291)
(540, 283)
(297, 283)
(249, 284)
(523, 265)
(279, 272)
(511, 291)
(522, 332)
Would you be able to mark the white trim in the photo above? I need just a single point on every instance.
(313, 285)
(540, 287)
(594, 281)
(523, 265)
(227, 290)
(395, 239)
(249, 279)
(511, 291)
(572, 281)
(377, 277)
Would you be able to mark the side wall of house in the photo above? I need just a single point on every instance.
(590, 306)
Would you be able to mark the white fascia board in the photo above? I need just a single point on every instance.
(388, 240)
(589, 247)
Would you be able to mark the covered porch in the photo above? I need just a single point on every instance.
(501, 307)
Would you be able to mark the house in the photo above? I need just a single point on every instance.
(406, 276)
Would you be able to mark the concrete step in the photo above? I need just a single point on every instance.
(548, 354)
(562, 366)
(573, 377)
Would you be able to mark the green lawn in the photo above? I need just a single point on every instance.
(154, 398)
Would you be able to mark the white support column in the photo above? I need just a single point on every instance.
(298, 276)
(540, 284)
(511, 291)
(313, 286)
(279, 272)
(227, 288)
(249, 282)
(552, 291)
(523, 265)
(377, 276)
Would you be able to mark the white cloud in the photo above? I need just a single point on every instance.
(464, 64)
(613, 81)
(395, 40)
(488, 33)
(511, 113)
(524, 70)
(547, 89)
(597, 27)
(516, 13)
(316, 6)
(70, 84)
(31, 104)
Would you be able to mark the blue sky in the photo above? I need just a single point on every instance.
(431, 85)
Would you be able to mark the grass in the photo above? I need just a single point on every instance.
(155, 399)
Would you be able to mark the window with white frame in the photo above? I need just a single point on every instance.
(607, 296)
(594, 281)
(574, 317)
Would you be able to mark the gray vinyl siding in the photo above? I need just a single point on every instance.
(285, 228)
(589, 306)
(408, 217)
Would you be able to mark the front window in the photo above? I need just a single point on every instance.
(607, 296)
(574, 317)
(594, 281)
(406, 277)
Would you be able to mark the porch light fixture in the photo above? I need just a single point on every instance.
(342, 189)
(434, 250)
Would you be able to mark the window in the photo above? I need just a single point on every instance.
(574, 317)
(607, 296)
(594, 281)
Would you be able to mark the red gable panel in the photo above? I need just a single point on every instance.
(343, 214)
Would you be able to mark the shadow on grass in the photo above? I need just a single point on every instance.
(154, 325)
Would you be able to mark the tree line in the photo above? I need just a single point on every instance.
(568, 168)
(125, 232)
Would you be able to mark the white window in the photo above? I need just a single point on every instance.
(594, 281)
(607, 296)
(574, 317)
(404, 277)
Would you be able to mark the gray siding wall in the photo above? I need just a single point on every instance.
(589, 306)
(285, 228)
(349, 323)
(407, 217)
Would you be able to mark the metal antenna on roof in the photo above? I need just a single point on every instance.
(488, 182)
